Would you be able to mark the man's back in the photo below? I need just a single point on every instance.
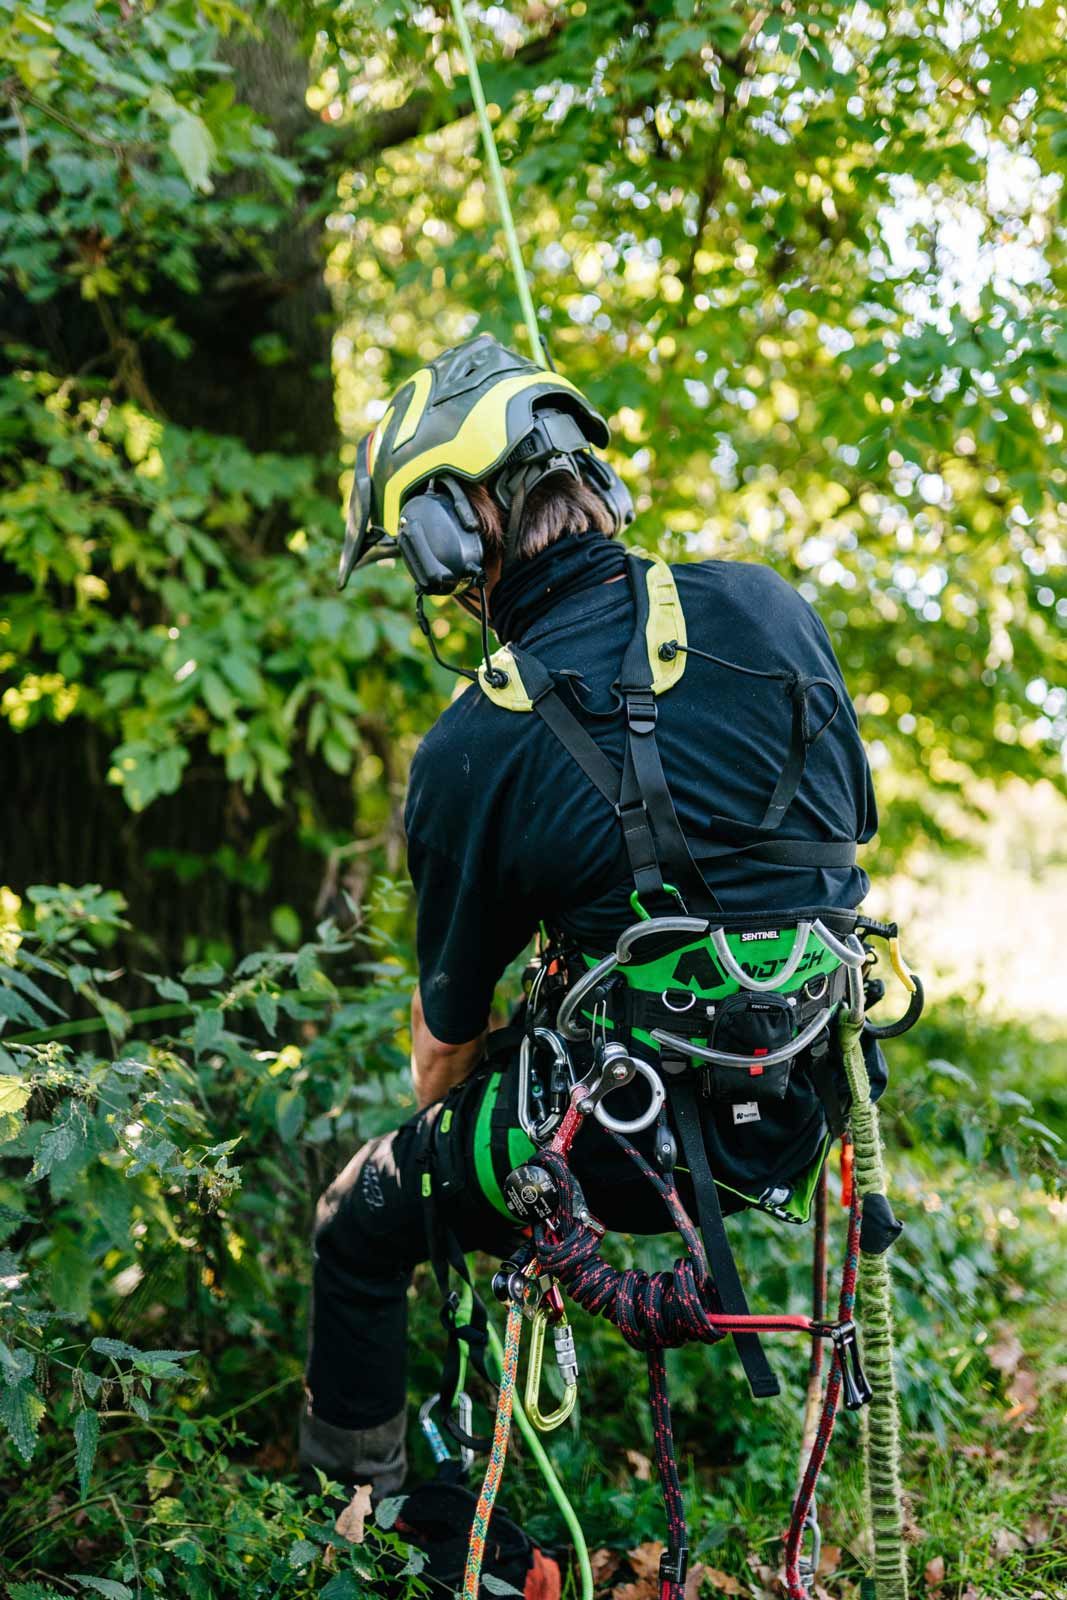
(505, 830)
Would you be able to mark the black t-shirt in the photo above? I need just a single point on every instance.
(505, 830)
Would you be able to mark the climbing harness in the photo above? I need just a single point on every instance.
(661, 1310)
(723, 1029)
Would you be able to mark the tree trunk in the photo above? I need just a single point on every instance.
(60, 819)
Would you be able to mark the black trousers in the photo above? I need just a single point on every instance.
(370, 1233)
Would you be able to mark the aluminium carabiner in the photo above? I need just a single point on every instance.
(566, 1360)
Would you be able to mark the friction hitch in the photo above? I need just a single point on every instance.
(855, 1390)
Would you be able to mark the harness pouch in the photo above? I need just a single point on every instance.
(769, 1151)
(750, 1025)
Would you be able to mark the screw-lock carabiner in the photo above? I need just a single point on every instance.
(566, 1360)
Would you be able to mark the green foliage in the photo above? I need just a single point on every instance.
(808, 264)
(154, 1200)
(128, 1225)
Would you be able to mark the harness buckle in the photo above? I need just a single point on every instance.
(641, 711)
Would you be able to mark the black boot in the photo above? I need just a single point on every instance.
(354, 1456)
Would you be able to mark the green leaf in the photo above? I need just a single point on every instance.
(289, 1113)
(343, 1586)
(302, 1553)
(387, 1510)
(194, 150)
(21, 1411)
(116, 1349)
(16, 1364)
(205, 972)
(110, 1588)
(286, 924)
(267, 1011)
(168, 989)
(28, 987)
(60, 1143)
(86, 1437)
(19, 1010)
(494, 1585)
(208, 1030)
(13, 1095)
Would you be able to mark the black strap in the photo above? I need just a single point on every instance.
(786, 852)
(644, 782)
(821, 1070)
(623, 794)
(445, 1253)
(721, 1262)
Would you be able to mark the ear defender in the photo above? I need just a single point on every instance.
(609, 486)
(439, 539)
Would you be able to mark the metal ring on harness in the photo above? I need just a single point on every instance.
(565, 1023)
(680, 1011)
(649, 1115)
(726, 1058)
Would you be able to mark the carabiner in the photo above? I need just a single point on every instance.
(567, 1362)
(808, 1566)
(435, 1438)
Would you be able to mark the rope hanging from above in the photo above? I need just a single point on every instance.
(496, 174)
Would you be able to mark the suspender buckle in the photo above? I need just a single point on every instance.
(641, 711)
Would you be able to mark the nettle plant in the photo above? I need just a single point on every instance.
(144, 1265)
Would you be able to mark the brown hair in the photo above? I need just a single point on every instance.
(560, 504)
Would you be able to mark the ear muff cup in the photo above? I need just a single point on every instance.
(439, 539)
(609, 486)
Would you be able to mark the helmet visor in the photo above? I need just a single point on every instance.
(360, 533)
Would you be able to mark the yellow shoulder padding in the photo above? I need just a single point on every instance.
(666, 625)
(512, 695)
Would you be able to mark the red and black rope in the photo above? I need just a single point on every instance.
(654, 1312)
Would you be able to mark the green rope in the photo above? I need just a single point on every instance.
(882, 1433)
(496, 173)
(555, 1488)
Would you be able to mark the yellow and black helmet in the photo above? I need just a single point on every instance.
(476, 411)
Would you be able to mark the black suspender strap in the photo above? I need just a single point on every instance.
(721, 1262)
(644, 783)
(444, 1252)
(624, 797)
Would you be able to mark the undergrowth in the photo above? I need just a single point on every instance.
(157, 1177)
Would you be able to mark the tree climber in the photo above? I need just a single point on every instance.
(744, 787)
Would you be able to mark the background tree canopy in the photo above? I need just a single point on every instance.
(810, 262)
